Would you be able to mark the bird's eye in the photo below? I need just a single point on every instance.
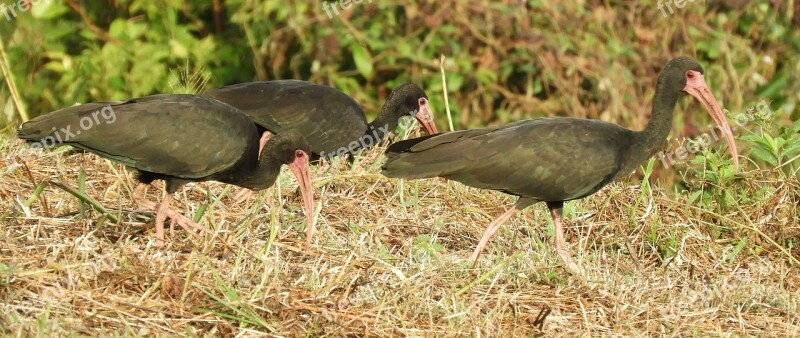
(299, 154)
(690, 74)
(423, 101)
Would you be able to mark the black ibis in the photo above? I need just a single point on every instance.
(553, 159)
(178, 139)
(331, 121)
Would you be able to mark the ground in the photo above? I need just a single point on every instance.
(390, 259)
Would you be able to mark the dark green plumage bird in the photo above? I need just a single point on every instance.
(178, 139)
(332, 122)
(554, 159)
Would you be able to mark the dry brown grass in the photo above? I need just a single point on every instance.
(380, 267)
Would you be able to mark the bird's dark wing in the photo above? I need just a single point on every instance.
(548, 159)
(326, 117)
(184, 136)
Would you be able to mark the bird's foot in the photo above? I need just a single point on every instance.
(175, 217)
(172, 227)
(244, 196)
(185, 223)
(567, 258)
(478, 249)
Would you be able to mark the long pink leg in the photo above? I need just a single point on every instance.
(161, 216)
(490, 230)
(561, 249)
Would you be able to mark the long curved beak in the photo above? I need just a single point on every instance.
(300, 169)
(425, 118)
(697, 87)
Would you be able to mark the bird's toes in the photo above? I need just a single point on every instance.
(191, 225)
(172, 227)
(573, 267)
(567, 258)
(243, 196)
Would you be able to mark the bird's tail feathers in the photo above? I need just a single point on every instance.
(67, 121)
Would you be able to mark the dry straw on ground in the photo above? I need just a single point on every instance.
(652, 264)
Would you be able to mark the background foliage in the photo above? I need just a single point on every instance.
(506, 60)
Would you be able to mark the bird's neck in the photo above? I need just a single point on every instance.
(266, 172)
(652, 138)
(254, 172)
(386, 121)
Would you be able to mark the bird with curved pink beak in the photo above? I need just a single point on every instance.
(696, 87)
(300, 169)
(425, 118)
(553, 159)
(332, 122)
(299, 166)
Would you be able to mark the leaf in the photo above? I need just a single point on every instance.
(454, 82)
(178, 49)
(362, 60)
(117, 29)
(693, 197)
(764, 143)
(774, 87)
(764, 155)
(796, 126)
(404, 48)
(726, 172)
(699, 159)
(426, 244)
(484, 75)
(776, 144)
(727, 198)
(48, 9)
(792, 150)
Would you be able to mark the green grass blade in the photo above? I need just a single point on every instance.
(85, 198)
(35, 195)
